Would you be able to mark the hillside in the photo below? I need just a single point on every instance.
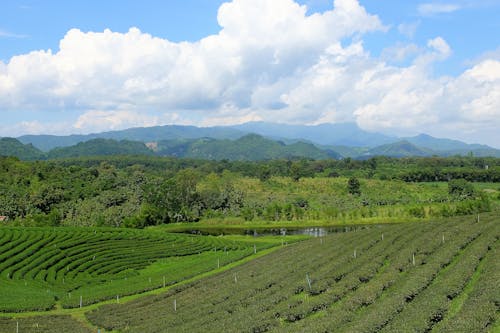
(251, 147)
(347, 134)
(101, 147)
(143, 134)
(13, 147)
(398, 149)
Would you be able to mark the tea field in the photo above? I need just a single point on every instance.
(440, 276)
(436, 276)
(45, 268)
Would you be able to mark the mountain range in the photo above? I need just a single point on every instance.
(249, 141)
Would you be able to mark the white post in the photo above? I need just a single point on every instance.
(413, 259)
(308, 281)
(235, 279)
(163, 281)
(175, 304)
(382, 236)
(354, 254)
(443, 239)
(117, 299)
(254, 249)
(81, 301)
(218, 263)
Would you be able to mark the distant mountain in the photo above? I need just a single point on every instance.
(143, 134)
(101, 147)
(448, 147)
(345, 134)
(13, 147)
(399, 149)
(347, 139)
(251, 147)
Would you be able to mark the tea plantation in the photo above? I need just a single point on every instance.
(440, 276)
(44, 268)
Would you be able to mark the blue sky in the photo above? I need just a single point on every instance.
(439, 48)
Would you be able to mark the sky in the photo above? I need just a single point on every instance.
(394, 67)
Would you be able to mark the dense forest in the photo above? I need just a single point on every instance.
(137, 191)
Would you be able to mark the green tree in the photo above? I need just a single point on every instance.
(460, 188)
(353, 186)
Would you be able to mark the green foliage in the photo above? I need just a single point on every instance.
(141, 191)
(354, 186)
(460, 188)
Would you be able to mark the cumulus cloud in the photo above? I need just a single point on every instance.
(270, 61)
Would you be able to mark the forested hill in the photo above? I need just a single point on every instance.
(12, 147)
(251, 147)
(101, 147)
(142, 134)
(248, 148)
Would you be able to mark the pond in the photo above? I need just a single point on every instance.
(256, 232)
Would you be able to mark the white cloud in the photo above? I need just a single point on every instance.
(440, 45)
(8, 34)
(408, 29)
(270, 61)
(430, 9)
(400, 52)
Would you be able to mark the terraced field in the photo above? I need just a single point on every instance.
(44, 268)
(428, 277)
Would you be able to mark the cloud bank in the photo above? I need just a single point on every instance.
(270, 61)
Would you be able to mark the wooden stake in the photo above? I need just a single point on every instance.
(17, 327)
(218, 263)
(163, 281)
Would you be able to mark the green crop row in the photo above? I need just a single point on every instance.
(42, 266)
(408, 280)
